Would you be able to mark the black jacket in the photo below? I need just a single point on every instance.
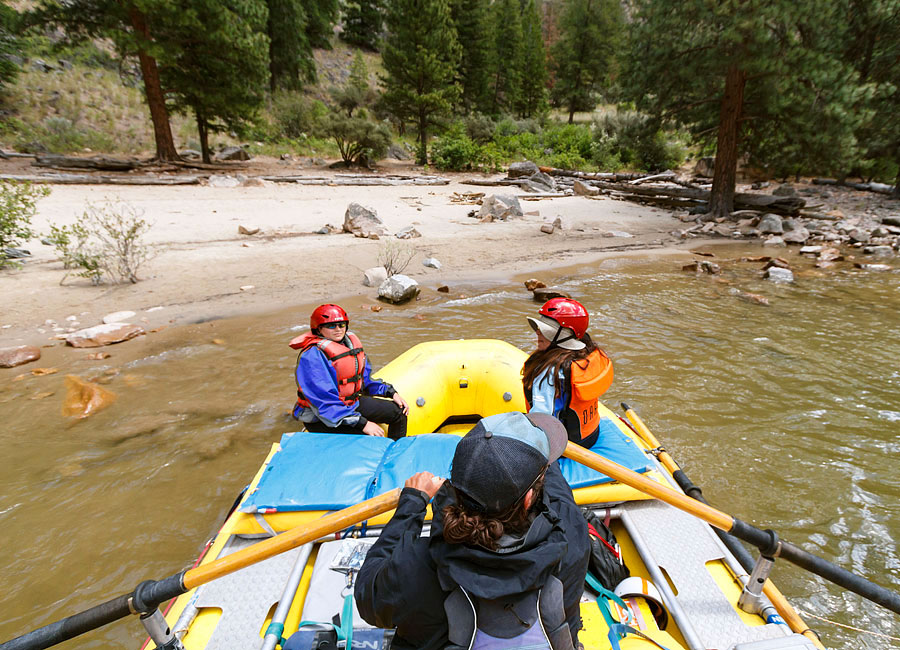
(405, 578)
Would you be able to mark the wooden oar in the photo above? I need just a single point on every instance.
(766, 541)
(148, 595)
(781, 604)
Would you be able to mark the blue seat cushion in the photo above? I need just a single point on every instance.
(330, 471)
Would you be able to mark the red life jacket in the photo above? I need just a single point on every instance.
(348, 363)
(585, 380)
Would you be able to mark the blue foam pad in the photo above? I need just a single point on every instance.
(318, 471)
(611, 444)
(330, 471)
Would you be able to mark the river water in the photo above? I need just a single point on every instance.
(787, 414)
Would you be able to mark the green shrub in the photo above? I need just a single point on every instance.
(636, 141)
(297, 116)
(480, 128)
(359, 139)
(18, 203)
(456, 151)
(106, 240)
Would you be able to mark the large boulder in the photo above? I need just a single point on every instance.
(398, 289)
(537, 182)
(106, 334)
(500, 207)
(705, 167)
(16, 356)
(522, 169)
(233, 153)
(363, 221)
(583, 189)
(770, 224)
(798, 235)
(375, 276)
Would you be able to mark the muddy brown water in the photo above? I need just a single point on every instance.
(788, 416)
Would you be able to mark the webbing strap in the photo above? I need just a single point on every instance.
(345, 631)
(619, 631)
(606, 595)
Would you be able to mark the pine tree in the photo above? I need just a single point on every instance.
(590, 33)
(759, 74)
(9, 44)
(533, 96)
(420, 58)
(470, 19)
(363, 23)
(321, 15)
(221, 71)
(291, 60)
(506, 77)
(136, 30)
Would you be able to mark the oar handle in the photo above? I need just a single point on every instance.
(765, 540)
(148, 595)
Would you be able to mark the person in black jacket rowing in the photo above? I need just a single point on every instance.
(507, 541)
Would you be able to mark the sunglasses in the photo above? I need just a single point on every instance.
(333, 326)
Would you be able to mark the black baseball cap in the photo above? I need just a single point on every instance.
(502, 456)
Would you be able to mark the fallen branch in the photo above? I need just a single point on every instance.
(96, 179)
(359, 179)
(101, 163)
(667, 175)
(879, 188)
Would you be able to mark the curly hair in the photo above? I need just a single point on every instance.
(465, 526)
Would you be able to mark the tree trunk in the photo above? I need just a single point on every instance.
(896, 193)
(422, 153)
(162, 131)
(204, 137)
(721, 202)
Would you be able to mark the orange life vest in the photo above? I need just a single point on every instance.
(588, 379)
(348, 363)
(585, 380)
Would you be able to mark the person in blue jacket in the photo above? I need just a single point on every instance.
(336, 392)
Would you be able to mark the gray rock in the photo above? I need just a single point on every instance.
(537, 182)
(705, 167)
(398, 289)
(409, 232)
(798, 235)
(500, 206)
(431, 262)
(893, 220)
(878, 250)
(583, 189)
(363, 221)
(118, 317)
(779, 275)
(233, 153)
(397, 152)
(190, 153)
(221, 180)
(874, 267)
(375, 276)
(522, 169)
(859, 235)
(811, 250)
(16, 356)
(785, 189)
(547, 228)
(774, 241)
(16, 253)
(93, 337)
(770, 224)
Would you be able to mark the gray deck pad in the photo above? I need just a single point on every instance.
(682, 545)
(245, 597)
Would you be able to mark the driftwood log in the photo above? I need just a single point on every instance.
(359, 179)
(100, 179)
(688, 197)
(100, 163)
(880, 188)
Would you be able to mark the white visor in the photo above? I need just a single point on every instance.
(549, 328)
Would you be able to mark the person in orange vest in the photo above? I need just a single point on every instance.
(335, 389)
(567, 373)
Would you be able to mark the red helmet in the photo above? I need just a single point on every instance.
(568, 313)
(327, 314)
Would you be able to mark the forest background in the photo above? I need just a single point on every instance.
(786, 87)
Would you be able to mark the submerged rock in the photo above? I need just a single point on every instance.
(84, 398)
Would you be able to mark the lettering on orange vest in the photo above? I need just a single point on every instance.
(588, 379)
(348, 363)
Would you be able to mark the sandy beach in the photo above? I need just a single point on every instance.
(203, 268)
